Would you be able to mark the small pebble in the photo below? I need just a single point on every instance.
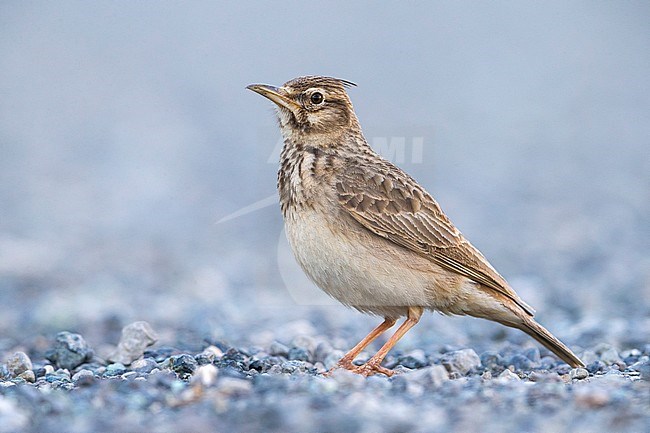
(83, 378)
(298, 354)
(507, 375)
(18, 363)
(491, 360)
(434, 375)
(136, 337)
(60, 375)
(115, 369)
(161, 354)
(209, 355)
(596, 366)
(183, 365)
(144, 365)
(461, 361)
(414, 359)
(261, 365)
(28, 376)
(579, 373)
(631, 353)
(69, 351)
(293, 366)
(643, 368)
(235, 359)
(205, 375)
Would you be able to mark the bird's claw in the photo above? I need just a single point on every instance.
(368, 369)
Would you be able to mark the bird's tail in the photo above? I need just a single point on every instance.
(541, 334)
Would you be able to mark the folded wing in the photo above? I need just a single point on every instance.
(389, 203)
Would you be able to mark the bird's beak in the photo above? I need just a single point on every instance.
(275, 95)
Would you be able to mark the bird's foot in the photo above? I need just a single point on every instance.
(343, 363)
(368, 369)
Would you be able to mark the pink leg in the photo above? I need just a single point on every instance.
(346, 361)
(373, 365)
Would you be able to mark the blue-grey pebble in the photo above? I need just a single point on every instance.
(69, 351)
(160, 354)
(414, 359)
(115, 369)
(261, 365)
(644, 369)
(144, 365)
(521, 363)
(234, 358)
(293, 366)
(461, 361)
(230, 371)
(203, 359)
(59, 375)
(579, 373)
(183, 365)
(596, 366)
(83, 377)
(491, 360)
(298, 354)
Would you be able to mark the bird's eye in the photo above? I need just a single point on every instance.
(316, 98)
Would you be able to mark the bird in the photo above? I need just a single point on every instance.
(370, 236)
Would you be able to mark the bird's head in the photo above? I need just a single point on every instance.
(312, 105)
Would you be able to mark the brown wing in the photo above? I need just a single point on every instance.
(392, 205)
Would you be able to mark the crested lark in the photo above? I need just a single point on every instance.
(369, 235)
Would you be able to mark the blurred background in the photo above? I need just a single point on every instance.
(131, 154)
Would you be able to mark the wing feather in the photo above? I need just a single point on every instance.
(389, 203)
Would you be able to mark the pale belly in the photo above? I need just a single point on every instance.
(369, 273)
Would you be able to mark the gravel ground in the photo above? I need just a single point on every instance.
(126, 134)
(171, 381)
